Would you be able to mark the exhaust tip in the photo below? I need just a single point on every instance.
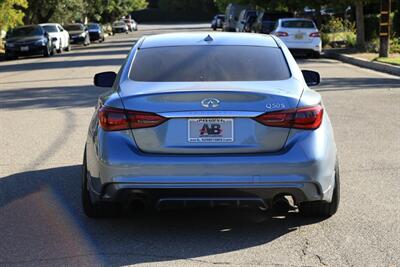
(281, 204)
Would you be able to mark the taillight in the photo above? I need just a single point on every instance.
(315, 34)
(308, 118)
(281, 34)
(114, 119)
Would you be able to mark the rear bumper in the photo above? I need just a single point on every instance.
(77, 39)
(304, 169)
(94, 36)
(314, 46)
(33, 50)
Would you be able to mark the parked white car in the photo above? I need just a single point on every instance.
(132, 24)
(55, 30)
(299, 35)
(119, 26)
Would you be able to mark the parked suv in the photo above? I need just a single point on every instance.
(78, 33)
(245, 18)
(232, 16)
(29, 40)
(266, 22)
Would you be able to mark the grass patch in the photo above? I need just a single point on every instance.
(389, 60)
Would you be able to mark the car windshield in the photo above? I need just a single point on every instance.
(26, 31)
(74, 27)
(119, 23)
(50, 28)
(93, 26)
(209, 63)
(298, 24)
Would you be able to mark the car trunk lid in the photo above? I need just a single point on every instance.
(197, 125)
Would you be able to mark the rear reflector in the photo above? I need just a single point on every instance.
(281, 34)
(315, 34)
(308, 118)
(114, 119)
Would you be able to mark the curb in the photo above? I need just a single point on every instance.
(377, 66)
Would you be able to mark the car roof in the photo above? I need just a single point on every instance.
(291, 19)
(49, 24)
(208, 38)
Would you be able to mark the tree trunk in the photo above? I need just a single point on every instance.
(360, 24)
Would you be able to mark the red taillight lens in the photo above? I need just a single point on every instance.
(308, 118)
(281, 34)
(315, 34)
(114, 119)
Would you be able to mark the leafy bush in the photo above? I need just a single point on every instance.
(373, 46)
(338, 32)
(336, 25)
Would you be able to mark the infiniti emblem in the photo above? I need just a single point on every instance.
(210, 102)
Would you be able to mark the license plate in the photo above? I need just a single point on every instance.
(299, 36)
(210, 130)
(24, 48)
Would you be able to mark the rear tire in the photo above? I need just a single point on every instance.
(98, 209)
(68, 48)
(315, 55)
(9, 56)
(60, 49)
(323, 209)
(46, 52)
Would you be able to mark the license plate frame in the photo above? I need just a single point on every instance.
(207, 130)
(299, 36)
(24, 48)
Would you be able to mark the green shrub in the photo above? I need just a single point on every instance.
(336, 25)
(373, 45)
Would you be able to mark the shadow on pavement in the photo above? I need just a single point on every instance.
(43, 65)
(343, 84)
(50, 97)
(42, 222)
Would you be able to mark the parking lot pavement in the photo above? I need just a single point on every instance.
(45, 108)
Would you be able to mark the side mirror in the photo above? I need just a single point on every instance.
(105, 79)
(54, 39)
(312, 78)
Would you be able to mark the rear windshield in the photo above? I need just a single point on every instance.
(50, 28)
(74, 27)
(209, 63)
(298, 24)
(93, 26)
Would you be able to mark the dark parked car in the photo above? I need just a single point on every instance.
(265, 22)
(218, 22)
(28, 40)
(96, 32)
(79, 33)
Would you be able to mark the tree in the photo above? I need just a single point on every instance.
(360, 43)
(117, 8)
(11, 15)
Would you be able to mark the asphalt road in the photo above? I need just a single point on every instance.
(45, 108)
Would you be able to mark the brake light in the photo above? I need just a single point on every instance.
(315, 34)
(308, 118)
(281, 34)
(115, 119)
